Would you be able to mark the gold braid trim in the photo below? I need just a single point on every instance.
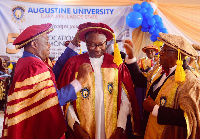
(29, 101)
(115, 95)
(5, 132)
(104, 84)
(93, 102)
(27, 114)
(78, 100)
(33, 80)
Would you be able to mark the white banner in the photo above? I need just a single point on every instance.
(16, 16)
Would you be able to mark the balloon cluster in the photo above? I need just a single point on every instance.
(143, 15)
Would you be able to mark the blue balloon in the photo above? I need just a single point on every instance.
(163, 30)
(153, 26)
(143, 11)
(134, 19)
(145, 24)
(160, 25)
(136, 7)
(144, 29)
(151, 30)
(150, 10)
(156, 32)
(148, 15)
(157, 18)
(153, 38)
(144, 4)
(151, 21)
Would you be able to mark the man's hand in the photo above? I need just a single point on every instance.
(149, 104)
(129, 47)
(79, 132)
(76, 40)
(118, 133)
(83, 71)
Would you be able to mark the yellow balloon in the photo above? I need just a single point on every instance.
(158, 43)
(161, 43)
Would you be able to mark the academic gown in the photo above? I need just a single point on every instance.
(178, 114)
(33, 109)
(114, 78)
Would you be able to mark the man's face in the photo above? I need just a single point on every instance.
(96, 44)
(43, 47)
(150, 53)
(168, 56)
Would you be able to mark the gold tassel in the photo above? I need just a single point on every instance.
(117, 56)
(179, 73)
(80, 51)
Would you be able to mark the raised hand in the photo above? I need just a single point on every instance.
(76, 40)
(83, 71)
(129, 47)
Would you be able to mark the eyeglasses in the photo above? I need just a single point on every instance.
(93, 45)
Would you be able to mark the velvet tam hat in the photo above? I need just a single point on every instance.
(150, 47)
(31, 33)
(95, 27)
(178, 42)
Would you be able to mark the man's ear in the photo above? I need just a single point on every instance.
(34, 44)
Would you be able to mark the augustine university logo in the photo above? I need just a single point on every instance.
(18, 14)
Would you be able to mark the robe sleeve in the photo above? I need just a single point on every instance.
(170, 116)
(128, 84)
(137, 77)
(68, 53)
(188, 99)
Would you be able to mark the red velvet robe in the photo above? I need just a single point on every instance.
(71, 68)
(33, 110)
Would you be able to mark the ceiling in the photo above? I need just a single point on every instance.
(180, 1)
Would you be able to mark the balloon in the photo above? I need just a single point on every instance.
(153, 38)
(158, 43)
(144, 4)
(160, 24)
(163, 30)
(157, 18)
(143, 11)
(156, 32)
(134, 19)
(151, 30)
(144, 29)
(145, 24)
(148, 15)
(153, 26)
(151, 21)
(136, 7)
(150, 10)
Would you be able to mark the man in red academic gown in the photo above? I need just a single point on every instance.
(102, 106)
(33, 109)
